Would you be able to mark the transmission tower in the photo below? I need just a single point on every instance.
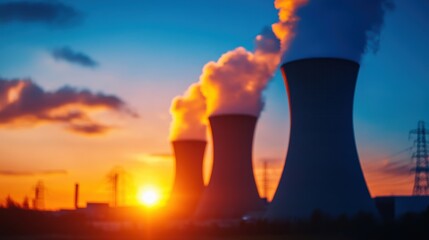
(421, 156)
(114, 179)
(39, 196)
(117, 183)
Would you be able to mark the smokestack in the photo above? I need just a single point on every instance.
(188, 183)
(76, 196)
(322, 170)
(232, 191)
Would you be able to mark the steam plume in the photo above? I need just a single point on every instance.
(334, 28)
(234, 83)
(284, 28)
(189, 115)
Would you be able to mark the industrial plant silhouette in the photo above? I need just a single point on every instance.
(322, 183)
(322, 189)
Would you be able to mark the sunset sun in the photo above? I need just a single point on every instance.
(149, 197)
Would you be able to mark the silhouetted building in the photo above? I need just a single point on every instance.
(393, 207)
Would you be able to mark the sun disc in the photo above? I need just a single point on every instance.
(149, 197)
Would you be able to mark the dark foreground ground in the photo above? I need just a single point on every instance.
(262, 237)
(29, 224)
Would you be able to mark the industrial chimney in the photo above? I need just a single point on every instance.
(188, 184)
(76, 195)
(322, 170)
(232, 191)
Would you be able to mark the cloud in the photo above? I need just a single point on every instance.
(32, 173)
(284, 28)
(24, 104)
(89, 128)
(68, 55)
(336, 28)
(153, 158)
(390, 168)
(234, 84)
(397, 168)
(267, 41)
(52, 13)
(189, 115)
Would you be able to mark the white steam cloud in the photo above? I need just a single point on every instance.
(235, 83)
(337, 28)
(189, 115)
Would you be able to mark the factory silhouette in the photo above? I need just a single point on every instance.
(322, 170)
(322, 187)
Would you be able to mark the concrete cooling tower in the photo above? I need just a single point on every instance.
(188, 184)
(231, 192)
(322, 170)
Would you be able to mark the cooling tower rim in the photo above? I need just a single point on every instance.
(194, 140)
(222, 115)
(320, 58)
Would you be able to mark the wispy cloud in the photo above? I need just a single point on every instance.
(52, 13)
(397, 164)
(23, 103)
(78, 58)
(32, 173)
(152, 158)
(397, 168)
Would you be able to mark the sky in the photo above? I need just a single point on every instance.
(120, 64)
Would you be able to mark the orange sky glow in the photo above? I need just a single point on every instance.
(145, 84)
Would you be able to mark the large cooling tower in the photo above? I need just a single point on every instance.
(231, 192)
(188, 184)
(322, 170)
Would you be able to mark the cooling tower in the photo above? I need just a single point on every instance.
(322, 170)
(232, 191)
(188, 184)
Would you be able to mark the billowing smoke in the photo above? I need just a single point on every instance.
(189, 115)
(24, 104)
(284, 28)
(335, 28)
(234, 84)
